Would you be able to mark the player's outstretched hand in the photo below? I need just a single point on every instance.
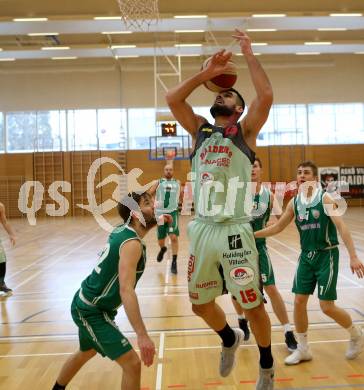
(219, 63)
(244, 41)
(357, 266)
(147, 349)
(12, 240)
(165, 218)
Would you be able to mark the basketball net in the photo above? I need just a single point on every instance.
(139, 15)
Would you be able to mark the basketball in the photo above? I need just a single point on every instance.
(223, 81)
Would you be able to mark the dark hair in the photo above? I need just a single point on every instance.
(241, 101)
(125, 206)
(259, 161)
(309, 164)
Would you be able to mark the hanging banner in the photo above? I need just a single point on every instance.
(332, 178)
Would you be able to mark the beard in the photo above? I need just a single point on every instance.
(150, 220)
(220, 110)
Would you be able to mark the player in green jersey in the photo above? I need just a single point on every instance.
(317, 221)
(262, 207)
(110, 285)
(4, 289)
(221, 235)
(167, 199)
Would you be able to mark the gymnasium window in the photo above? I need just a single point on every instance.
(141, 125)
(21, 130)
(82, 130)
(51, 131)
(2, 133)
(112, 128)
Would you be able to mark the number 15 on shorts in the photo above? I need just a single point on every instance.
(248, 295)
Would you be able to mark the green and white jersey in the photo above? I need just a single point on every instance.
(101, 288)
(316, 229)
(222, 164)
(167, 195)
(261, 211)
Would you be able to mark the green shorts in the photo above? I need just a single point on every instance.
(166, 229)
(233, 248)
(265, 266)
(317, 267)
(2, 254)
(97, 330)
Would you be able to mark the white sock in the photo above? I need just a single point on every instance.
(302, 340)
(241, 316)
(287, 327)
(353, 331)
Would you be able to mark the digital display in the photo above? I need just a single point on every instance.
(169, 129)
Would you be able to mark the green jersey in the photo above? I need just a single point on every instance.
(316, 229)
(167, 195)
(261, 211)
(222, 164)
(101, 288)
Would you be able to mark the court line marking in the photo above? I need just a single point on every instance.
(74, 336)
(44, 257)
(295, 250)
(159, 376)
(54, 262)
(161, 354)
(166, 278)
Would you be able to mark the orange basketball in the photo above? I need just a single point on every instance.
(223, 81)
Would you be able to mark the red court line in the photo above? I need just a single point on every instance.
(319, 377)
(283, 379)
(356, 376)
(176, 386)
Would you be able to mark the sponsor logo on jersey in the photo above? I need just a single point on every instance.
(311, 226)
(207, 285)
(235, 242)
(191, 267)
(233, 255)
(206, 176)
(230, 131)
(316, 214)
(218, 149)
(237, 261)
(242, 275)
(193, 295)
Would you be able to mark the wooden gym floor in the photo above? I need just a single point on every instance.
(52, 258)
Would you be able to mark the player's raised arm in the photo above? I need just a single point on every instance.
(259, 109)
(130, 254)
(355, 264)
(282, 223)
(6, 224)
(176, 97)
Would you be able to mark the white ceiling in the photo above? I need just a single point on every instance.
(77, 29)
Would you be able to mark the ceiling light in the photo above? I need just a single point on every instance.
(259, 44)
(107, 18)
(348, 14)
(127, 57)
(317, 43)
(260, 29)
(187, 55)
(190, 16)
(44, 34)
(64, 58)
(55, 48)
(1, 49)
(30, 19)
(309, 53)
(7, 59)
(359, 52)
(188, 44)
(122, 47)
(269, 15)
(241, 54)
(115, 32)
(332, 29)
(188, 31)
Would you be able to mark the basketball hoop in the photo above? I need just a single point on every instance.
(139, 14)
